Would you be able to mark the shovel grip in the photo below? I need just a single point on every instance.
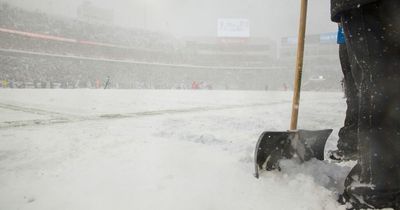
(299, 65)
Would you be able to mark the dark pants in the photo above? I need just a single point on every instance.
(347, 142)
(373, 37)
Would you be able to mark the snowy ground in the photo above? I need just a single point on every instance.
(152, 149)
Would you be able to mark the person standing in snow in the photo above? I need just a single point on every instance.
(347, 143)
(107, 82)
(372, 30)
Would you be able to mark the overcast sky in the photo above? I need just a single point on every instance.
(268, 18)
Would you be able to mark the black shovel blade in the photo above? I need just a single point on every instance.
(273, 146)
(311, 144)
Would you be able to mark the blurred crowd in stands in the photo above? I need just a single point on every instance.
(44, 51)
(52, 72)
(37, 22)
(95, 41)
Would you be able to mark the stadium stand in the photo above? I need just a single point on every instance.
(44, 51)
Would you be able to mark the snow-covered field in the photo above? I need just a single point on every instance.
(158, 149)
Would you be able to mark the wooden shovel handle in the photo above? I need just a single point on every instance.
(299, 65)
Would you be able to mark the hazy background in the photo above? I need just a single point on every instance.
(165, 44)
(268, 18)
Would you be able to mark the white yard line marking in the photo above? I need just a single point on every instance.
(58, 118)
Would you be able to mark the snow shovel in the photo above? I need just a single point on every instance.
(273, 146)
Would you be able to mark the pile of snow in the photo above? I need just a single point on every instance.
(187, 150)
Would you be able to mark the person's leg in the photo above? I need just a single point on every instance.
(372, 33)
(347, 143)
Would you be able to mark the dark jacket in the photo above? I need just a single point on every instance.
(339, 6)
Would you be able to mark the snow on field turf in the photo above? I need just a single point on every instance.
(94, 102)
(199, 159)
(8, 115)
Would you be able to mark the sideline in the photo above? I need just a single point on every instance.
(59, 118)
